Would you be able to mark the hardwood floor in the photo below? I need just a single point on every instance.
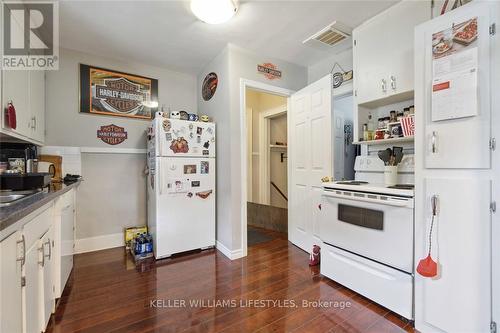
(107, 293)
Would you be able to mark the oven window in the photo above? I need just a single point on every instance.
(363, 217)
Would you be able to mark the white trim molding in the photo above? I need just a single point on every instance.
(97, 243)
(106, 150)
(233, 255)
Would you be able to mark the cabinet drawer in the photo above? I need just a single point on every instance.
(389, 287)
(38, 226)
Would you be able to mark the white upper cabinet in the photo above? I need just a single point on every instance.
(383, 52)
(25, 89)
(456, 137)
(15, 90)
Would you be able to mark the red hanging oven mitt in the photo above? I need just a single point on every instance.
(427, 267)
(11, 115)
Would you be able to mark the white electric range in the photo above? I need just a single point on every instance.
(367, 229)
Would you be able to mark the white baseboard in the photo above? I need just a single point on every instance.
(233, 255)
(97, 243)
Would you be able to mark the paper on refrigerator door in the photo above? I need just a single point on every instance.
(454, 72)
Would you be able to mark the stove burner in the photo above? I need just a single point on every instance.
(402, 186)
(352, 182)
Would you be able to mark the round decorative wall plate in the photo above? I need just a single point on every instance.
(337, 79)
(209, 86)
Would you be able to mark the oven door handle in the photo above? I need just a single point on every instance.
(394, 202)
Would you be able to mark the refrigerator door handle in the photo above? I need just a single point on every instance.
(160, 187)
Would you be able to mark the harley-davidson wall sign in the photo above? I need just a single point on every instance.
(113, 93)
(269, 70)
(112, 134)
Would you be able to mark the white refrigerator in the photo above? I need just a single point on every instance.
(181, 185)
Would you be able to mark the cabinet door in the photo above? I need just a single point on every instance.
(47, 280)
(458, 299)
(403, 19)
(370, 54)
(383, 51)
(37, 104)
(31, 291)
(10, 284)
(15, 89)
(455, 137)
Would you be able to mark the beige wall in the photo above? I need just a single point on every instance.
(112, 195)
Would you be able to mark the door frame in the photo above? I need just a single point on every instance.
(265, 152)
(262, 87)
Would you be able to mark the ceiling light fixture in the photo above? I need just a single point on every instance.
(214, 11)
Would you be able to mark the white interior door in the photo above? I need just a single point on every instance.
(310, 158)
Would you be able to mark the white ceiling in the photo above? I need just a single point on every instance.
(166, 34)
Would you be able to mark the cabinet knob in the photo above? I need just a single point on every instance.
(384, 85)
(393, 82)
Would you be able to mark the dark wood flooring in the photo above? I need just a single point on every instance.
(108, 293)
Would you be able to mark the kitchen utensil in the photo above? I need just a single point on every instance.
(398, 154)
(427, 267)
(384, 155)
(389, 153)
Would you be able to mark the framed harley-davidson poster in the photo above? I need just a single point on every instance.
(112, 93)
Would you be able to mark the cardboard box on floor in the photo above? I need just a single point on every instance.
(132, 232)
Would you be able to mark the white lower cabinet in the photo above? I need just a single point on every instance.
(38, 292)
(36, 259)
(10, 283)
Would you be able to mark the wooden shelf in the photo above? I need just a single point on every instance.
(385, 141)
(278, 147)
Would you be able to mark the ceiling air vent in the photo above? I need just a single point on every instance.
(329, 36)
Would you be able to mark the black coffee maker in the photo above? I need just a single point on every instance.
(27, 177)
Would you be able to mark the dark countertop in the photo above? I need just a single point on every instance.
(11, 214)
